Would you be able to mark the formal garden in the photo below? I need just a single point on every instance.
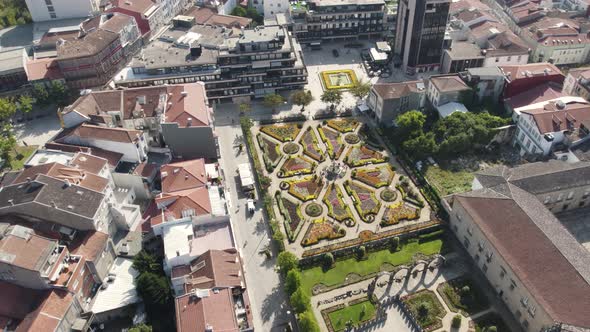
(331, 180)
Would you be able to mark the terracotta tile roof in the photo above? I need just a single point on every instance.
(89, 245)
(65, 173)
(43, 69)
(487, 29)
(50, 312)
(29, 252)
(138, 6)
(146, 170)
(192, 105)
(117, 22)
(192, 199)
(28, 300)
(112, 157)
(551, 119)
(580, 72)
(397, 90)
(204, 15)
(506, 43)
(536, 260)
(215, 311)
(215, 268)
(84, 130)
(89, 45)
(89, 163)
(449, 83)
(540, 93)
(469, 15)
(183, 175)
(515, 72)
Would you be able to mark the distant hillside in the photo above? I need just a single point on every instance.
(13, 12)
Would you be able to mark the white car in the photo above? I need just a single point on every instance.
(250, 206)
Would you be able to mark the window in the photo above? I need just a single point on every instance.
(524, 301)
(52, 15)
(570, 195)
(502, 272)
(466, 242)
(532, 310)
(485, 268)
(512, 284)
(470, 231)
(560, 198)
(547, 200)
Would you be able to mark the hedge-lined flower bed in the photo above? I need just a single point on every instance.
(363, 155)
(356, 313)
(426, 309)
(337, 209)
(298, 165)
(270, 152)
(462, 294)
(333, 142)
(343, 125)
(398, 212)
(310, 145)
(306, 189)
(293, 219)
(322, 230)
(410, 195)
(283, 132)
(365, 202)
(329, 77)
(375, 177)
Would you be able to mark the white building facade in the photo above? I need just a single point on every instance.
(46, 10)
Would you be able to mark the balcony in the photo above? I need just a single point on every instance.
(65, 270)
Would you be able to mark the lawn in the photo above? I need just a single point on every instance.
(449, 182)
(464, 295)
(488, 320)
(354, 313)
(19, 155)
(426, 308)
(341, 268)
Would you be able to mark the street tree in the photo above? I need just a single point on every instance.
(421, 146)
(300, 301)
(272, 101)
(244, 107)
(292, 281)
(40, 94)
(302, 98)
(25, 104)
(154, 290)
(7, 109)
(410, 124)
(332, 97)
(307, 322)
(146, 262)
(361, 89)
(286, 262)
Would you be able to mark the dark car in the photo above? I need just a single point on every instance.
(335, 53)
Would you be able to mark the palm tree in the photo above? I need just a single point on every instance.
(302, 98)
(333, 97)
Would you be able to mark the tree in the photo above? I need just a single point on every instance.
(287, 261)
(239, 11)
(394, 243)
(423, 309)
(361, 252)
(292, 281)
(59, 93)
(465, 290)
(245, 108)
(7, 142)
(307, 322)
(25, 104)
(154, 290)
(40, 94)
(254, 15)
(410, 124)
(273, 100)
(361, 89)
(141, 328)
(491, 329)
(302, 98)
(456, 322)
(7, 109)
(332, 97)
(328, 259)
(420, 146)
(300, 301)
(145, 262)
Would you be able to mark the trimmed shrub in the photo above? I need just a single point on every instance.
(456, 323)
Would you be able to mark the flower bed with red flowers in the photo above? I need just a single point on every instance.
(298, 165)
(398, 212)
(343, 125)
(333, 142)
(292, 215)
(270, 152)
(365, 202)
(363, 155)
(307, 188)
(337, 209)
(375, 177)
(283, 132)
(322, 230)
(310, 145)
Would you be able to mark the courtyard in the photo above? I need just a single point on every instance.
(334, 182)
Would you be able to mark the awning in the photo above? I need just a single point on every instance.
(377, 56)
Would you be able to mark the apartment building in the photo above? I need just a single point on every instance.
(577, 83)
(521, 78)
(420, 34)
(147, 13)
(235, 65)
(507, 226)
(443, 89)
(318, 21)
(46, 10)
(104, 45)
(388, 100)
(13, 71)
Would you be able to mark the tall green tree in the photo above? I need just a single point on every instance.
(154, 290)
(25, 104)
(361, 89)
(7, 109)
(239, 11)
(307, 322)
(302, 98)
(410, 124)
(300, 301)
(245, 108)
(272, 101)
(40, 94)
(332, 97)
(59, 93)
(141, 328)
(145, 262)
(292, 281)
(421, 146)
(286, 261)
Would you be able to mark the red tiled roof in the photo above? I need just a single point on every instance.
(28, 300)
(215, 311)
(49, 313)
(183, 175)
(192, 105)
(220, 268)
(84, 130)
(204, 15)
(27, 253)
(516, 72)
(90, 245)
(43, 69)
(88, 162)
(449, 83)
(551, 119)
(138, 6)
(540, 93)
(62, 172)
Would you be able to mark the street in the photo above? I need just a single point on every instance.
(269, 303)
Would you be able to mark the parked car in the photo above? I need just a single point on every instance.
(250, 206)
(335, 53)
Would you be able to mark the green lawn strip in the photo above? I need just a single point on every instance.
(448, 182)
(354, 313)
(471, 303)
(19, 155)
(337, 274)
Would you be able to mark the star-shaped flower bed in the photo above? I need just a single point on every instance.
(343, 125)
(333, 141)
(298, 165)
(376, 177)
(399, 212)
(310, 145)
(363, 155)
(283, 132)
(306, 189)
(365, 202)
(337, 209)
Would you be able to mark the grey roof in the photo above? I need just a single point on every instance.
(12, 61)
(485, 71)
(539, 177)
(464, 50)
(261, 34)
(582, 151)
